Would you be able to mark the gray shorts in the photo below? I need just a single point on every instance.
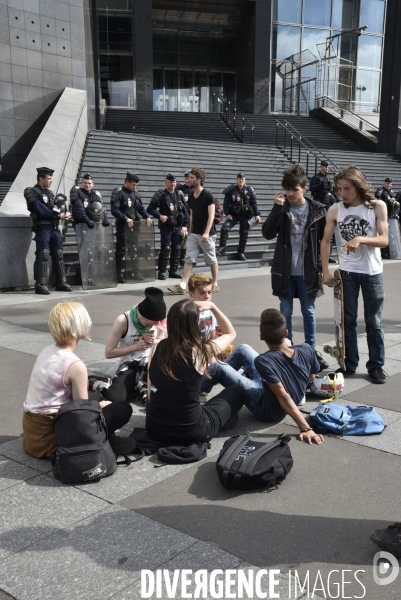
(195, 246)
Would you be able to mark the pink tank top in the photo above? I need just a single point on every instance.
(47, 390)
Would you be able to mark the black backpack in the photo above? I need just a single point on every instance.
(247, 465)
(83, 450)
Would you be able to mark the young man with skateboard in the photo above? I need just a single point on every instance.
(362, 225)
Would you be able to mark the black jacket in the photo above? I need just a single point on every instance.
(278, 224)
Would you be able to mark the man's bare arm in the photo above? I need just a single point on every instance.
(331, 222)
(378, 241)
(289, 406)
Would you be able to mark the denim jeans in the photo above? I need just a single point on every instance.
(307, 309)
(373, 298)
(227, 374)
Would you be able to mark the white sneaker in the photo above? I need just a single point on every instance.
(302, 401)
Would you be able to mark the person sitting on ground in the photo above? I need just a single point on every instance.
(174, 413)
(132, 336)
(276, 381)
(200, 288)
(58, 377)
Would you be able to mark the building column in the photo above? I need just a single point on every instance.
(143, 53)
(263, 32)
(390, 104)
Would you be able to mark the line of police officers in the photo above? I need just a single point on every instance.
(169, 206)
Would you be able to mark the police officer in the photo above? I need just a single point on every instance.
(169, 207)
(240, 206)
(186, 189)
(386, 194)
(126, 207)
(46, 212)
(320, 185)
(87, 204)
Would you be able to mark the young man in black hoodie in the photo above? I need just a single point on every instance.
(298, 223)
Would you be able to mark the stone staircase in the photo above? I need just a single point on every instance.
(108, 156)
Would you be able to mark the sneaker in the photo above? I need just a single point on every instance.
(323, 364)
(302, 401)
(347, 372)
(176, 289)
(377, 375)
(103, 383)
(388, 539)
(122, 445)
(215, 288)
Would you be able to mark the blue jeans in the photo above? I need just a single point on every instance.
(373, 298)
(227, 374)
(307, 309)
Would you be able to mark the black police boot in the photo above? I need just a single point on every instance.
(41, 270)
(174, 258)
(243, 238)
(164, 257)
(59, 271)
(120, 253)
(183, 252)
(223, 241)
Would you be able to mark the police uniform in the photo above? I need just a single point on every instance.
(393, 208)
(174, 207)
(242, 205)
(45, 212)
(320, 186)
(87, 206)
(125, 205)
(186, 190)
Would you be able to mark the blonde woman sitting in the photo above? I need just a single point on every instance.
(58, 377)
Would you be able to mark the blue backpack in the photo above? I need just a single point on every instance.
(347, 420)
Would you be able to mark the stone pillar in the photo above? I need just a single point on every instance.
(143, 53)
(390, 104)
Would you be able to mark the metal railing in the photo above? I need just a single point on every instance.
(237, 125)
(244, 121)
(348, 116)
(293, 143)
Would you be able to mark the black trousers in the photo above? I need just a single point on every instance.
(126, 382)
(116, 415)
(222, 407)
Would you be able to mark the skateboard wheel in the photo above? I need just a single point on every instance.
(332, 282)
(327, 349)
(335, 353)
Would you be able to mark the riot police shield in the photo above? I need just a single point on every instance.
(140, 264)
(96, 256)
(394, 239)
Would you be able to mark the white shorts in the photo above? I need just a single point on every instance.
(195, 246)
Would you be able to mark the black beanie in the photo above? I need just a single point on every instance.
(153, 307)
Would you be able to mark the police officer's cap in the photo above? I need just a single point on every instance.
(324, 163)
(388, 180)
(187, 174)
(44, 171)
(170, 177)
(241, 175)
(87, 176)
(132, 177)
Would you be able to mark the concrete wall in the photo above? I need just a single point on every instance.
(60, 147)
(44, 47)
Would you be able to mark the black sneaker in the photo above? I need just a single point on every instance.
(388, 539)
(323, 364)
(347, 373)
(377, 375)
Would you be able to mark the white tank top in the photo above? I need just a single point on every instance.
(353, 222)
(47, 391)
(132, 337)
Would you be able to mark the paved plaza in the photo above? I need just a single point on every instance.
(91, 542)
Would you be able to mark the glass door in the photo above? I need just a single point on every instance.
(200, 91)
(171, 89)
(215, 92)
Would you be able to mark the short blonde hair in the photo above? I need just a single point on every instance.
(68, 321)
(198, 281)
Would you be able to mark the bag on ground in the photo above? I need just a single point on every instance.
(83, 450)
(347, 420)
(244, 464)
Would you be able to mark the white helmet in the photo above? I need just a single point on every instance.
(329, 386)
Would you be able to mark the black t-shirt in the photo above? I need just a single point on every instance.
(174, 414)
(199, 207)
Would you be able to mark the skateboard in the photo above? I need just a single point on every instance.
(337, 351)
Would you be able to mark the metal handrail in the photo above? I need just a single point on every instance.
(347, 115)
(311, 149)
(244, 127)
